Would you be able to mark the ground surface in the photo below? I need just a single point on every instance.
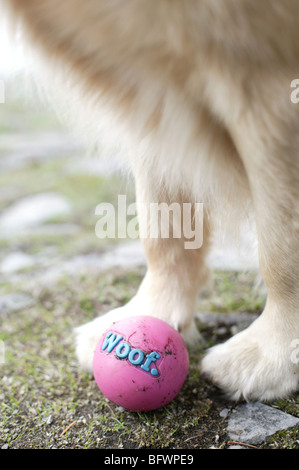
(56, 274)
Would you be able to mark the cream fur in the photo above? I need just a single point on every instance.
(199, 92)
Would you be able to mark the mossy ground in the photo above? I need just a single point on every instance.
(42, 390)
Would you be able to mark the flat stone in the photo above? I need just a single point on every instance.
(15, 301)
(31, 211)
(253, 423)
(243, 319)
(15, 262)
(124, 255)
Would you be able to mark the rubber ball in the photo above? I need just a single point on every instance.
(141, 363)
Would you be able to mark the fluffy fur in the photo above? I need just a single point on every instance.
(199, 90)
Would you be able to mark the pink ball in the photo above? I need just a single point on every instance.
(140, 363)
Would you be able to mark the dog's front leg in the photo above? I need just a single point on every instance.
(261, 363)
(175, 269)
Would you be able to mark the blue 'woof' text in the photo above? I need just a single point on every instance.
(135, 356)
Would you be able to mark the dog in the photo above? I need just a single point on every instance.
(200, 93)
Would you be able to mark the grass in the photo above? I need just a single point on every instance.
(41, 380)
(235, 292)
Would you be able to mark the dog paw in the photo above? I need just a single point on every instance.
(88, 335)
(254, 365)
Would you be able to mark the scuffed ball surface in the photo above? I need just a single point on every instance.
(141, 363)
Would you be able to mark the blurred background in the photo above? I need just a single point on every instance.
(49, 188)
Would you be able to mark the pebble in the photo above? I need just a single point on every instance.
(49, 420)
(254, 423)
(224, 413)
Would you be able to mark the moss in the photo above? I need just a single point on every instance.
(290, 406)
(284, 439)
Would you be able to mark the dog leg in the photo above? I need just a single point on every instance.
(171, 284)
(260, 363)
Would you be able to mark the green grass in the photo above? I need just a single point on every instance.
(235, 292)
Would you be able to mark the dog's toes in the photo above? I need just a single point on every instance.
(87, 337)
(252, 366)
